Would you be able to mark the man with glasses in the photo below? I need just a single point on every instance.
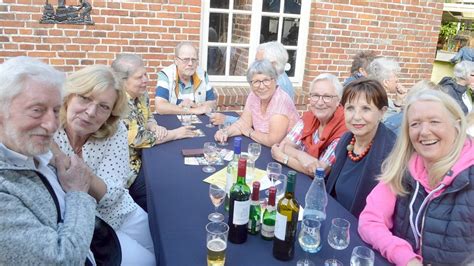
(183, 87)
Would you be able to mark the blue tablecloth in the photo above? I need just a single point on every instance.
(179, 203)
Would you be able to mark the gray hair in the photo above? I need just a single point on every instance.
(263, 67)
(463, 69)
(331, 78)
(127, 64)
(181, 45)
(382, 68)
(18, 72)
(276, 54)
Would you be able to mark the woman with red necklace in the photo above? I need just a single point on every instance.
(361, 151)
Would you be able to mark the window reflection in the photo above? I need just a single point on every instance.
(271, 6)
(238, 61)
(241, 28)
(218, 27)
(243, 4)
(269, 29)
(216, 60)
(290, 31)
(293, 6)
(292, 62)
(219, 3)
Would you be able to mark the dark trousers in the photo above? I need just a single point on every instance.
(138, 190)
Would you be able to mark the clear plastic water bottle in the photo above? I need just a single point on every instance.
(316, 198)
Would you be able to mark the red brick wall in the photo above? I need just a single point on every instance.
(406, 30)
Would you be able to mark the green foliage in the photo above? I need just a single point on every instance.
(448, 29)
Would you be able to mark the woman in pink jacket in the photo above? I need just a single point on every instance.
(422, 211)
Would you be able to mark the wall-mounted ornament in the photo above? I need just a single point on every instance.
(75, 14)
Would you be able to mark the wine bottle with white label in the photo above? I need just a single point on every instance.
(239, 207)
(286, 222)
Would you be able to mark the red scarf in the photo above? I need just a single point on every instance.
(333, 130)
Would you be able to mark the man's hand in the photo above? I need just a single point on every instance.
(217, 118)
(75, 177)
(184, 132)
(277, 153)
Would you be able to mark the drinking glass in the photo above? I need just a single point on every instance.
(332, 262)
(217, 233)
(223, 127)
(186, 119)
(210, 154)
(209, 113)
(362, 256)
(253, 151)
(339, 237)
(273, 170)
(309, 239)
(217, 196)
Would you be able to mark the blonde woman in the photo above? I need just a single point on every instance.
(421, 212)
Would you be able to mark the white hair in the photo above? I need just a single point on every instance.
(331, 78)
(382, 68)
(463, 70)
(276, 54)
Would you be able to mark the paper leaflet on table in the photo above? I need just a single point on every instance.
(194, 119)
(224, 153)
(219, 179)
(198, 133)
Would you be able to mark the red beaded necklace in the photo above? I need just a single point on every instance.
(352, 155)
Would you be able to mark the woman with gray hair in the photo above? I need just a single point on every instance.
(311, 143)
(268, 113)
(143, 130)
(460, 87)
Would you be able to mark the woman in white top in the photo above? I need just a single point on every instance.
(90, 116)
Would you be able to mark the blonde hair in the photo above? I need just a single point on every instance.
(395, 165)
(92, 79)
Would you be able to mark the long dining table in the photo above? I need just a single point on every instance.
(179, 204)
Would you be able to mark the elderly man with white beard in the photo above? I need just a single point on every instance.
(47, 216)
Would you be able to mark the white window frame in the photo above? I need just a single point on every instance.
(256, 14)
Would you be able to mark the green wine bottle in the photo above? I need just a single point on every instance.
(255, 210)
(286, 222)
(269, 215)
(239, 206)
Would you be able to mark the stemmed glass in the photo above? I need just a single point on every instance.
(253, 151)
(273, 171)
(362, 256)
(339, 237)
(217, 196)
(223, 127)
(210, 154)
(209, 113)
(309, 239)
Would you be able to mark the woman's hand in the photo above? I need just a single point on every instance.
(184, 132)
(159, 131)
(277, 153)
(217, 118)
(220, 136)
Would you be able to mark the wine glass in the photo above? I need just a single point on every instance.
(362, 256)
(217, 195)
(273, 170)
(309, 239)
(253, 151)
(210, 154)
(339, 237)
(209, 113)
(224, 127)
(332, 262)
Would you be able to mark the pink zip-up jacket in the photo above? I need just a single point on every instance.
(376, 220)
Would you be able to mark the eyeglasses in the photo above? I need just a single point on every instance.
(257, 83)
(187, 60)
(101, 108)
(316, 97)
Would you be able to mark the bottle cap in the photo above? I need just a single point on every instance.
(255, 190)
(242, 167)
(291, 180)
(271, 196)
(237, 145)
(319, 173)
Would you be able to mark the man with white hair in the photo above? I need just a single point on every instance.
(460, 87)
(47, 216)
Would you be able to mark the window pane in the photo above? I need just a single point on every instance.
(241, 28)
(269, 29)
(290, 30)
(238, 61)
(292, 62)
(271, 6)
(218, 27)
(243, 4)
(220, 4)
(293, 6)
(216, 60)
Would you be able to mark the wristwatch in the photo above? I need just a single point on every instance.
(285, 159)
